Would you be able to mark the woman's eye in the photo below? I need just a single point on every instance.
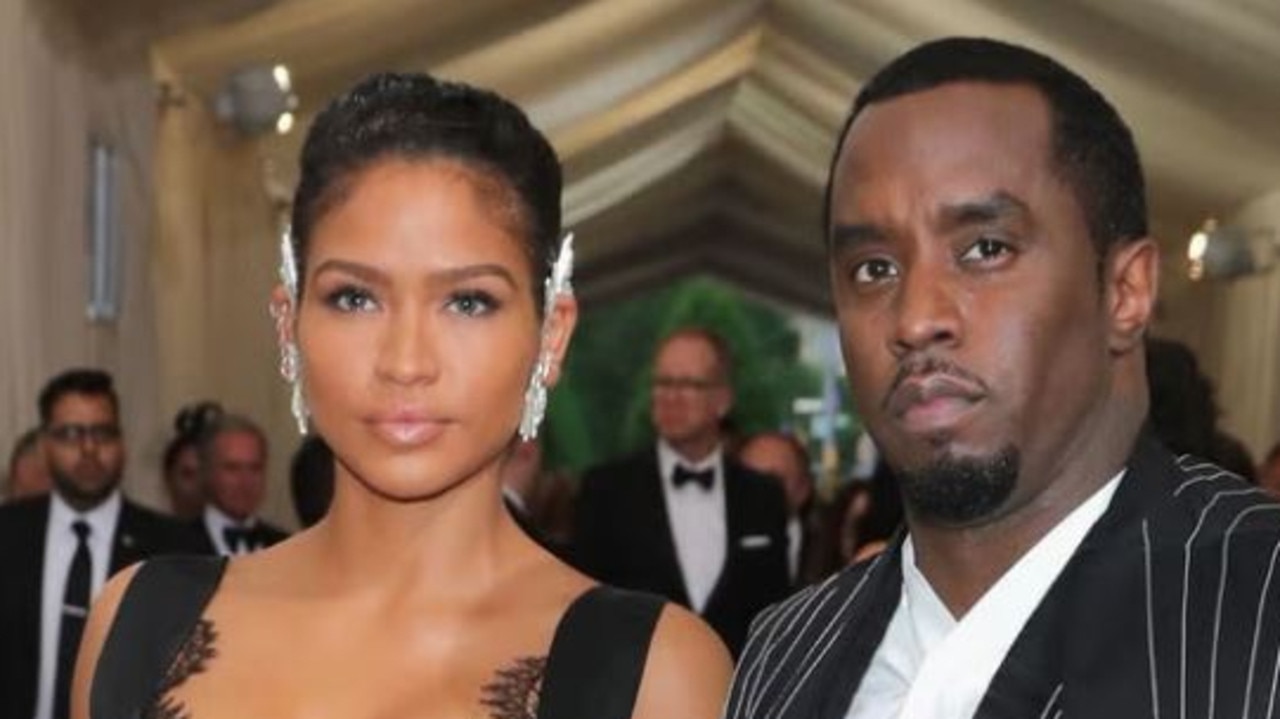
(472, 304)
(986, 249)
(351, 299)
(875, 270)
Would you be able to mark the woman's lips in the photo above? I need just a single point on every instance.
(406, 430)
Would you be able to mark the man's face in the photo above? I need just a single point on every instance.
(84, 449)
(186, 493)
(237, 477)
(775, 456)
(30, 476)
(972, 320)
(690, 392)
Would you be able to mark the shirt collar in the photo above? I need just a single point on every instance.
(218, 520)
(101, 518)
(668, 458)
(1033, 573)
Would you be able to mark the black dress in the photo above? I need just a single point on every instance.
(160, 638)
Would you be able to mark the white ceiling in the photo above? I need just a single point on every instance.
(696, 133)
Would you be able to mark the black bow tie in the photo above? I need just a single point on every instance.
(684, 475)
(238, 539)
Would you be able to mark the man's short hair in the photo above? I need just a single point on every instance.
(92, 382)
(1092, 147)
(220, 425)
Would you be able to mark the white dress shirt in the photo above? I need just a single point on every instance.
(216, 521)
(930, 666)
(698, 524)
(59, 547)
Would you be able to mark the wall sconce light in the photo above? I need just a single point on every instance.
(104, 278)
(258, 99)
(1225, 252)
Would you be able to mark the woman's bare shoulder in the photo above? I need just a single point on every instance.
(687, 672)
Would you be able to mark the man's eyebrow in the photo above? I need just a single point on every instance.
(846, 237)
(985, 210)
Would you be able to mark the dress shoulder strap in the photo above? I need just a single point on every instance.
(161, 606)
(598, 654)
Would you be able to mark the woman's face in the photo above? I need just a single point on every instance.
(417, 329)
(186, 492)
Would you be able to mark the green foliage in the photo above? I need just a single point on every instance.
(601, 408)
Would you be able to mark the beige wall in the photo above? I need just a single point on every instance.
(55, 98)
(215, 235)
(196, 227)
(1243, 350)
(1234, 327)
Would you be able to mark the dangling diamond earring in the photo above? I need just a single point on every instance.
(290, 359)
(289, 370)
(535, 394)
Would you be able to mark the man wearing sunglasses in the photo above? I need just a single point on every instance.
(57, 550)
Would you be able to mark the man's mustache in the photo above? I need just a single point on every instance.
(920, 365)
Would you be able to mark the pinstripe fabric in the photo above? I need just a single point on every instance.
(1169, 609)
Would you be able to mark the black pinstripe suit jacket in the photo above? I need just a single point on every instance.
(1170, 608)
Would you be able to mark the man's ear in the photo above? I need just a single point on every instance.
(1133, 281)
(558, 331)
(282, 311)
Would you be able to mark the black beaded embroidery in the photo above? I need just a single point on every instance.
(513, 693)
(193, 658)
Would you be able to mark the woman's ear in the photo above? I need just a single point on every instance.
(558, 330)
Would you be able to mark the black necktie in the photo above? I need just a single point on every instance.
(237, 539)
(684, 475)
(75, 609)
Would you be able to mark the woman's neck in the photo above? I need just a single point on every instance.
(461, 541)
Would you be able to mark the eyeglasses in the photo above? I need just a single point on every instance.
(683, 384)
(78, 433)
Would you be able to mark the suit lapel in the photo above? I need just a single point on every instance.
(1095, 583)
(126, 546)
(653, 504)
(872, 605)
(734, 521)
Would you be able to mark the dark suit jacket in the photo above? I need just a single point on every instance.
(1169, 607)
(263, 535)
(622, 536)
(140, 533)
(816, 548)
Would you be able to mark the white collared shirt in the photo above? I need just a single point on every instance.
(930, 666)
(215, 521)
(59, 548)
(698, 525)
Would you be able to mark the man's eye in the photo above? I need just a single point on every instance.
(876, 270)
(985, 249)
(472, 304)
(351, 299)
